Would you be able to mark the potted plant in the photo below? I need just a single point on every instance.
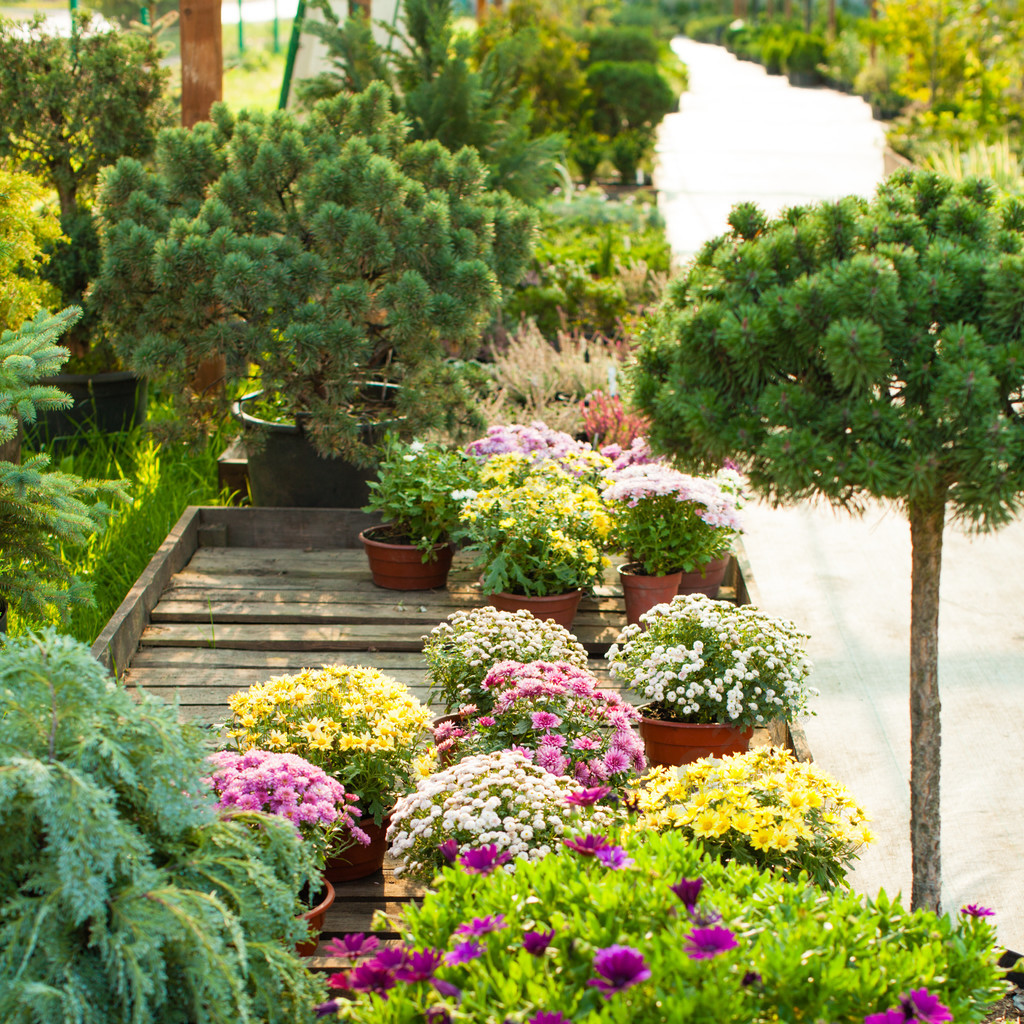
(710, 671)
(554, 714)
(290, 787)
(536, 444)
(125, 895)
(462, 650)
(326, 258)
(74, 105)
(540, 542)
(763, 808)
(669, 523)
(489, 811)
(41, 509)
(360, 726)
(419, 490)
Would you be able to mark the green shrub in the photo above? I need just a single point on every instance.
(628, 94)
(708, 29)
(124, 898)
(796, 954)
(805, 54)
(622, 43)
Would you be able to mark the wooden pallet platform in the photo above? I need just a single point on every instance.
(237, 595)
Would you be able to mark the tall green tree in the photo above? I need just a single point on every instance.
(855, 349)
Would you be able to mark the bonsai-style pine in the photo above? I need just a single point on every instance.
(323, 252)
(855, 349)
(42, 509)
(124, 897)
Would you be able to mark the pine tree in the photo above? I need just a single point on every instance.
(861, 348)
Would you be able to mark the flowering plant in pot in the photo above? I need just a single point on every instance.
(703, 662)
(490, 810)
(363, 728)
(554, 714)
(538, 443)
(462, 650)
(763, 808)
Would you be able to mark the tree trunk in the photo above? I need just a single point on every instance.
(927, 519)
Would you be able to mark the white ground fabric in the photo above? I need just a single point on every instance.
(742, 135)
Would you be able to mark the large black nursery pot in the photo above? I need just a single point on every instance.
(107, 402)
(286, 471)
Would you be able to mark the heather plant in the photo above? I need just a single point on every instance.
(667, 521)
(125, 897)
(607, 420)
(655, 931)
(554, 715)
(498, 807)
(763, 808)
(362, 727)
(293, 789)
(462, 650)
(699, 660)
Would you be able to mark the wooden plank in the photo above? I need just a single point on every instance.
(256, 527)
(116, 645)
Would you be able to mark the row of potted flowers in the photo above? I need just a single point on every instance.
(541, 511)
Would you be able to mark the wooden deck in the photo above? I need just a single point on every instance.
(237, 595)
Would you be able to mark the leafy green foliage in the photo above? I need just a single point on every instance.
(621, 43)
(801, 954)
(323, 252)
(125, 899)
(41, 509)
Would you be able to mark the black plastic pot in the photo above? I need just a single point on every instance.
(286, 471)
(3, 615)
(107, 402)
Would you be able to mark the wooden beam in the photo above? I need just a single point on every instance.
(202, 59)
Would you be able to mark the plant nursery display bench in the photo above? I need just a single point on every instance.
(237, 595)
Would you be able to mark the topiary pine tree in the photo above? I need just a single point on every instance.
(322, 251)
(125, 898)
(856, 349)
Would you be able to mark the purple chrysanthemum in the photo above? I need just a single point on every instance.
(449, 849)
(976, 910)
(481, 926)
(587, 797)
(484, 859)
(463, 953)
(705, 943)
(920, 1005)
(419, 965)
(614, 857)
(688, 890)
(620, 968)
(353, 946)
(587, 845)
(545, 720)
(536, 942)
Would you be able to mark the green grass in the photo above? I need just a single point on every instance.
(166, 476)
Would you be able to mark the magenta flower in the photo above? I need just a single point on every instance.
(620, 968)
(705, 943)
(372, 977)
(438, 1015)
(446, 989)
(326, 1009)
(484, 859)
(614, 857)
(485, 720)
(587, 797)
(587, 845)
(463, 953)
(922, 1006)
(545, 720)
(889, 1017)
(449, 849)
(353, 946)
(420, 965)
(536, 942)
(688, 890)
(544, 1017)
(974, 910)
(481, 926)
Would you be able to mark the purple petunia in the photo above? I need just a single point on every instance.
(536, 942)
(620, 968)
(484, 859)
(419, 965)
(614, 857)
(481, 926)
(449, 849)
(688, 890)
(975, 910)
(705, 943)
(353, 946)
(587, 845)
(463, 953)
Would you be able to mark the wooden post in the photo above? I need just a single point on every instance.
(202, 59)
(481, 11)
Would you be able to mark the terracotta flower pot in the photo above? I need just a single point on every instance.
(315, 918)
(675, 743)
(401, 566)
(705, 580)
(643, 592)
(559, 607)
(358, 861)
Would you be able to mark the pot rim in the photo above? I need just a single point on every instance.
(364, 536)
(252, 422)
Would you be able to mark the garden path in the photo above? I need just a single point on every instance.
(743, 135)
